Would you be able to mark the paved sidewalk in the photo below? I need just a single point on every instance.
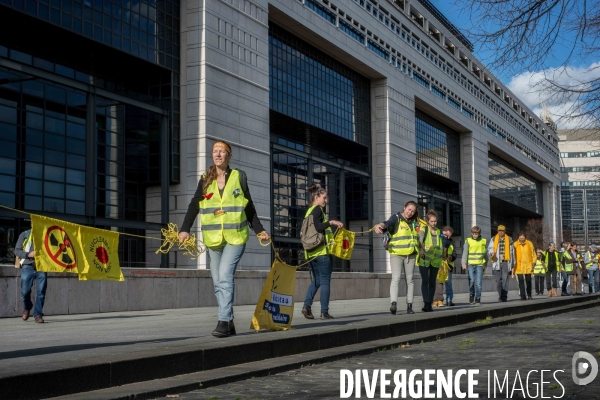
(119, 348)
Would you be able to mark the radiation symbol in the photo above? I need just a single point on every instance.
(345, 244)
(60, 248)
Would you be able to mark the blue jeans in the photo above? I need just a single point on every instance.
(449, 292)
(593, 280)
(223, 263)
(320, 269)
(565, 284)
(475, 280)
(28, 274)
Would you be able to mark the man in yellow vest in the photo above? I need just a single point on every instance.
(502, 255)
(475, 258)
(590, 259)
(551, 259)
(573, 263)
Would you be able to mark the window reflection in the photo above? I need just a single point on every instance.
(512, 185)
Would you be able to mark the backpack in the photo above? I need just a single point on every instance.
(309, 236)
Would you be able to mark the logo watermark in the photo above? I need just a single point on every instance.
(583, 363)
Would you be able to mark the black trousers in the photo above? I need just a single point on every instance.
(539, 283)
(523, 280)
(551, 280)
(428, 281)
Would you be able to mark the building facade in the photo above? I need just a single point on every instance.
(580, 192)
(381, 102)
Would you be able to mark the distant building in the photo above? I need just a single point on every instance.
(580, 186)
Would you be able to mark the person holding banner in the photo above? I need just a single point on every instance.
(25, 251)
(403, 246)
(226, 209)
(321, 264)
(430, 258)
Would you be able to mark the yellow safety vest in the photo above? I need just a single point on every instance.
(568, 266)
(224, 218)
(539, 268)
(325, 248)
(450, 251)
(477, 249)
(405, 241)
(432, 251)
(589, 255)
(545, 259)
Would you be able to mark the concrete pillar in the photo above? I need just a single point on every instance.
(475, 183)
(225, 96)
(394, 157)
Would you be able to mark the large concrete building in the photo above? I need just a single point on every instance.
(109, 109)
(580, 192)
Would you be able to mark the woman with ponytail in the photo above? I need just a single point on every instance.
(322, 264)
(403, 246)
(226, 209)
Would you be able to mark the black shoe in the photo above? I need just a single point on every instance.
(393, 308)
(530, 298)
(450, 303)
(306, 311)
(409, 309)
(477, 302)
(224, 329)
(565, 294)
(326, 316)
(471, 299)
(504, 300)
(427, 308)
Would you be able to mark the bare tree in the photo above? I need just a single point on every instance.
(531, 35)
(538, 232)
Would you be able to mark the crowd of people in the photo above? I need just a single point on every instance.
(226, 210)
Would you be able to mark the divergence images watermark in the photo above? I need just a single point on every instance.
(436, 384)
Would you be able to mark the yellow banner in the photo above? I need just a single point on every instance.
(62, 246)
(343, 244)
(275, 307)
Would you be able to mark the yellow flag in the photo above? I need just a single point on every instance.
(62, 246)
(53, 241)
(343, 244)
(442, 275)
(275, 307)
(100, 249)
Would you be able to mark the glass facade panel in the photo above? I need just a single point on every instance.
(438, 147)
(145, 29)
(512, 185)
(290, 174)
(308, 85)
(320, 132)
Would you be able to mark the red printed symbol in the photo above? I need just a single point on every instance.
(208, 196)
(59, 247)
(345, 244)
(102, 255)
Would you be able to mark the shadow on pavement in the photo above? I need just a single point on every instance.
(76, 347)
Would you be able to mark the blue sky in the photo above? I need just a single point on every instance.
(522, 83)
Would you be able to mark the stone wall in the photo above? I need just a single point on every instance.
(155, 289)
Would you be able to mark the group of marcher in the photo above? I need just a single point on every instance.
(226, 212)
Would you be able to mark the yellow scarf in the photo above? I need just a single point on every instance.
(506, 247)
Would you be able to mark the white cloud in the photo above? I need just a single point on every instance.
(528, 89)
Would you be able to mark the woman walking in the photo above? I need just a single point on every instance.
(226, 208)
(403, 246)
(322, 264)
(430, 258)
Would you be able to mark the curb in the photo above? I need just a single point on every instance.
(220, 376)
(128, 369)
